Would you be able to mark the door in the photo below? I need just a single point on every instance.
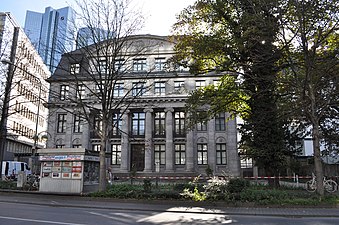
(137, 157)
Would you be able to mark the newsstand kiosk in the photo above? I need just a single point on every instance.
(68, 170)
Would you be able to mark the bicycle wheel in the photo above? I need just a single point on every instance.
(330, 186)
(311, 186)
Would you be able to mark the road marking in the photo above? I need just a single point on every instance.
(39, 221)
(103, 215)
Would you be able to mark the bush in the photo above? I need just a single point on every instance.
(263, 196)
(237, 185)
(8, 185)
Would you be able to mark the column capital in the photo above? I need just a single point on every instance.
(150, 110)
(169, 109)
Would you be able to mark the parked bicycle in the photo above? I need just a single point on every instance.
(329, 185)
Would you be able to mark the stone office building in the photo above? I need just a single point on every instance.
(149, 135)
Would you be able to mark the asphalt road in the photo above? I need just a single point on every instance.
(16, 209)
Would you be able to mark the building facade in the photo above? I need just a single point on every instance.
(51, 32)
(24, 73)
(148, 136)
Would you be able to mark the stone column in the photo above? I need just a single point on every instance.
(169, 140)
(124, 142)
(148, 140)
(232, 150)
(211, 148)
(190, 156)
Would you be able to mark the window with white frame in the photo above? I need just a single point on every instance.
(80, 91)
(116, 154)
(159, 154)
(178, 85)
(138, 89)
(180, 154)
(96, 147)
(102, 65)
(202, 154)
(139, 65)
(159, 64)
(160, 88)
(75, 68)
(118, 90)
(159, 123)
(64, 92)
(119, 65)
(77, 124)
(221, 154)
(179, 122)
(138, 123)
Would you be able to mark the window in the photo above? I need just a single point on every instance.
(118, 90)
(80, 91)
(116, 154)
(119, 65)
(77, 125)
(102, 65)
(97, 123)
(138, 123)
(199, 84)
(139, 65)
(159, 154)
(221, 154)
(138, 89)
(159, 88)
(159, 64)
(178, 85)
(116, 126)
(76, 146)
(179, 120)
(220, 122)
(202, 154)
(180, 154)
(59, 146)
(159, 123)
(61, 127)
(202, 126)
(64, 91)
(96, 147)
(75, 68)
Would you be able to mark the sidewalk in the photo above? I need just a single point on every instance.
(160, 206)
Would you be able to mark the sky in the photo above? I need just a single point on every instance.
(160, 14)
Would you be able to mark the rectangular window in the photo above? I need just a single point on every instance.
(75, 68)
(138, 123)
(77, 125)
(80, 91)
(118, 90)
(179, 120)
(97, 123)
(202, 154)
(102, 65)
(139, 65)
(159, 123)
(138, 89)
(159, 88)
(116, 126)
(64, 91)
(159, 154)
(159, 64)
(61, 127)
(96, 147)
(221, 154)
(178, 85)
(220, 122)
(116, 154)
(180, 154)
(199, 84)
(119, 65)
(202, 126)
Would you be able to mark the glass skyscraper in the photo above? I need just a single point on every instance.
(52, 33)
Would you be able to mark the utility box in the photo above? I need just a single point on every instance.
(68, 170)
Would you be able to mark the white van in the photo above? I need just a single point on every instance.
(12, 168)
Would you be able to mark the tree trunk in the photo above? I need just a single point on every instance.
(317, 160)
(102, 156)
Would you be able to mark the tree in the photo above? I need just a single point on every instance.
(238, 37)
(97, 68)
(310, 37)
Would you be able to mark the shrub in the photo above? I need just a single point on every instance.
(216, 189)
(147, 185)
(237, 185)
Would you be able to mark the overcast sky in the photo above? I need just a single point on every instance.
(160, 14)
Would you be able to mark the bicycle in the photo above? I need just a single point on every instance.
(329, 185)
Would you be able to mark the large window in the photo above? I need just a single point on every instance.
(139, 65)
(159, 64)
(180, 154)
(159, 88)
(221, 154)
(201, 126)
(220, 122)
(138, 123)
(96, 147)
(116, 126)
(116, 154)
(202, 154)
(97, 123)
(61, 127)
(159, 123)
(75, 68)
(80, 91)
(178, 85)
(64, 91)
(102, 65)
(119, 65)
(118, 90)
(77, 124)
(179, 118)
(138, 88)
(159, 154)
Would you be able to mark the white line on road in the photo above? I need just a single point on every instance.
(39, 221)
(103, 215)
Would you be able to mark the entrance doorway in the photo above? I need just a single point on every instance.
(137, 157)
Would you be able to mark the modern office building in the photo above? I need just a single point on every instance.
(149, 135)
(52, 33)
(23, 74)
(86, 36)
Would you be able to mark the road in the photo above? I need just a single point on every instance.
(29, 210)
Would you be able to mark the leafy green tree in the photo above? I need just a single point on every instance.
(238, 38)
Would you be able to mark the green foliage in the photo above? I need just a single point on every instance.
(147, 185)
(8, 185)
(237, 185)
(209, 171)
(216, 189)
